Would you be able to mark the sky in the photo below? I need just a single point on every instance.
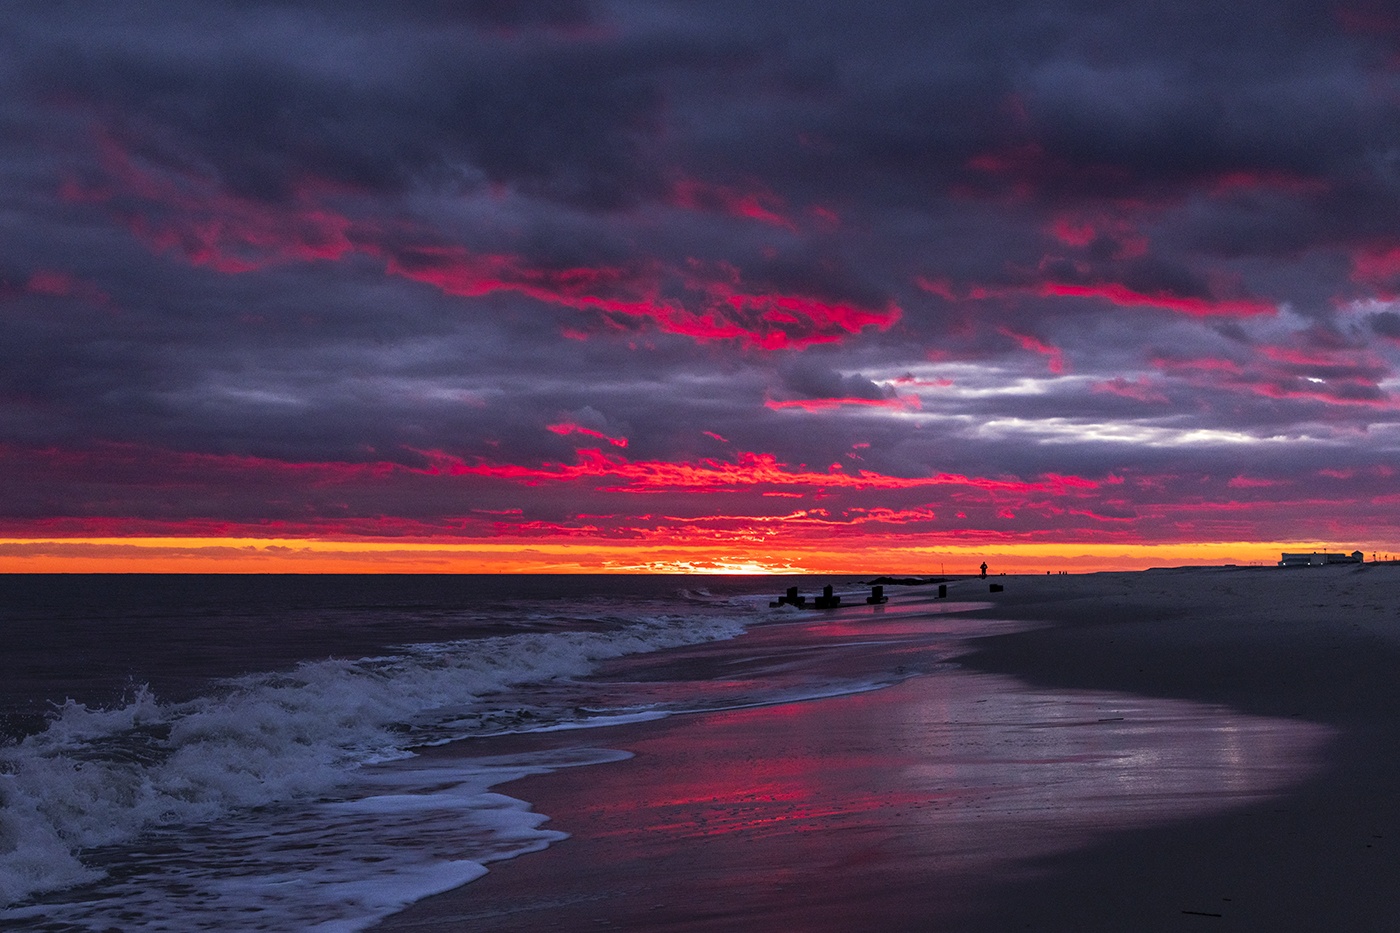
(697, 285)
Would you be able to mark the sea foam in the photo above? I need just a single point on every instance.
(168, 775)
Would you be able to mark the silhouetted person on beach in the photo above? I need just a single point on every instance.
(984, 570)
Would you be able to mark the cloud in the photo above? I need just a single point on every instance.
(277, 262)
(1386, 324)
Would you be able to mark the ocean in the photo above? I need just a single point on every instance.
(249, 753)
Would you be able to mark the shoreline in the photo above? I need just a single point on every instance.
(1252, 638)
(1320, 645)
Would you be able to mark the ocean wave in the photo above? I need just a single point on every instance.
(102, 777)
(407, 830)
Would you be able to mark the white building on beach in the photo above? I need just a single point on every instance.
(1318, 560)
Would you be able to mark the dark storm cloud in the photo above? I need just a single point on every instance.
(272, 97)
(809, 379)
(987, 241)
(1387, 324)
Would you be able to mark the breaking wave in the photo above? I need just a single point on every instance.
(153, 773)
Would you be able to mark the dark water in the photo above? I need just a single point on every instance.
(162, 733)
(96, 638)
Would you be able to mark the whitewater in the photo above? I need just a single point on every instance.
(208, 755)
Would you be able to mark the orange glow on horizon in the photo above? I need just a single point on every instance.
(868, 556)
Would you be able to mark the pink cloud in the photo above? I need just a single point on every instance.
(752, 204)
(56, 284)
(1140, 389)
(901, 402)
(716, 309)
(1126, 297)
(190, 216)
(1054, 355)
(571, 428)
(1252, 482)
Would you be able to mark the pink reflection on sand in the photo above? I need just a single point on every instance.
(901, 808)
(995, 770)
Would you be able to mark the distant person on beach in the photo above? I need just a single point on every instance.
(984, 570)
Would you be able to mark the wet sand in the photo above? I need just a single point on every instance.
(826, 815)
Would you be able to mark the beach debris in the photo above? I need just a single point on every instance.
(877, 596)
(1201, 913)
(790, 598)
(942, 591)
(995, 588)
(828, 600)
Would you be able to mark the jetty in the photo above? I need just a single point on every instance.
(829, 599)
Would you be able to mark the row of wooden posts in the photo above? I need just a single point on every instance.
(829, 600)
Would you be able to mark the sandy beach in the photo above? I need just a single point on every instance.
(1273, 807)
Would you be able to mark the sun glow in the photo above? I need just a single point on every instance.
(868, 555)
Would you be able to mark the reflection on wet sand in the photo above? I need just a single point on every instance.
(875, 809)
